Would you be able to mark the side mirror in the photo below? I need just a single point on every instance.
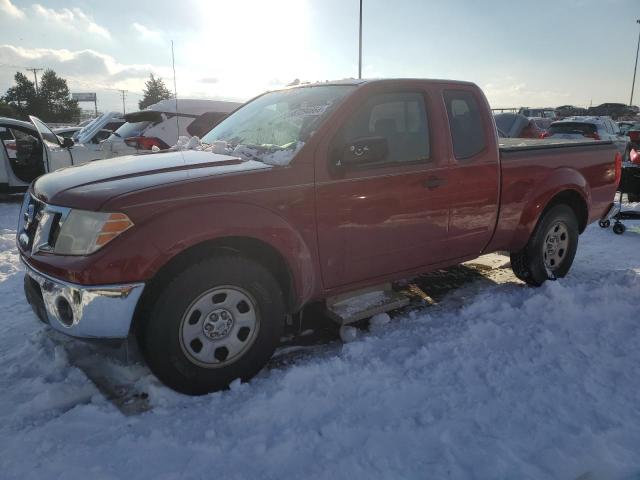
(68, 142)
(364, 150)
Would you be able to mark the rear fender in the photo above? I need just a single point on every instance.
(556, 182)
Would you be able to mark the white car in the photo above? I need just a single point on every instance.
(33, 149)
(596, 128)
(93, 132)
(159, 125)
(30, 149)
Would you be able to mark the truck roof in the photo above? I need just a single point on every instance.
(362, 81)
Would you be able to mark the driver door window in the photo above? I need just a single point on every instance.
(400, 119)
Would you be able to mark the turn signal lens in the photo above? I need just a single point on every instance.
(114, 226)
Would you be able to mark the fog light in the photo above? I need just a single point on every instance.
(65, 312)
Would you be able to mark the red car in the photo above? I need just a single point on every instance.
(323, 193)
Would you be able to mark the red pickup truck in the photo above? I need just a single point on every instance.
(324, 193)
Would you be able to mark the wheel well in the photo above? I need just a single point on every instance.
(577, 203)
(256, 250)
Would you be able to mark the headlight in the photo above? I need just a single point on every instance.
(82, 232)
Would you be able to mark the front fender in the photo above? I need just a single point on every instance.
(174, 231)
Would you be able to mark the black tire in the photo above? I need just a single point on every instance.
(161, 335)
(619, 228)
(529, 264)
(604, 223)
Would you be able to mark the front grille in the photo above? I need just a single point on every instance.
(30, 216)
(38, 224)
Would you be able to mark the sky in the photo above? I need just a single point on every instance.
(521, 52)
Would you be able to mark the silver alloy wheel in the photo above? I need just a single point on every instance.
(219, 326)
(555, 246)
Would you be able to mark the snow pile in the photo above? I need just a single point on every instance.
(188, 143)
(517, 383)
(279, 157)
(267, 155)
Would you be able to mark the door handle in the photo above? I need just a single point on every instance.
(432, 183)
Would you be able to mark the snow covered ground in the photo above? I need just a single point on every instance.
(495, 382)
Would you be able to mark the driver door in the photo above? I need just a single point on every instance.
(389, 214)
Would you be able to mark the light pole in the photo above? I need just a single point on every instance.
(360, 44)
(633, 84)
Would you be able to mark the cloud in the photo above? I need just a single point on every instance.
(83, 68)
(73, 18)
(146, 33)
(209, 80)
(10, 9)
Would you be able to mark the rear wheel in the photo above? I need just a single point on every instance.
(551, 248)
(215, 322)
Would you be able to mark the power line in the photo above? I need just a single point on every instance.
(35, 75)
(124, 95)
(175, 91)
(633, 84)
(360, 44)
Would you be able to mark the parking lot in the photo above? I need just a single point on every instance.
(495, 380)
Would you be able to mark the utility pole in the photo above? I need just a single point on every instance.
(633, 84)
(35, 76)
(124, 94)
(360, 44)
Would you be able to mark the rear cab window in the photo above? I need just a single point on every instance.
(465, 124)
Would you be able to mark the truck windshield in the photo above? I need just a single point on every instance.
(275, 126)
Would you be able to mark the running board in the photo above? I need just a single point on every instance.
(355, 306)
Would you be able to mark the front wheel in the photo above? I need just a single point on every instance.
(550, 251)
(217, 321)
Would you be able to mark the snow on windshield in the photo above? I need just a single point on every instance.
(276, 157)
(274, 127)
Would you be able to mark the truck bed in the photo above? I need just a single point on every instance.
(519, 144)
(530, 166)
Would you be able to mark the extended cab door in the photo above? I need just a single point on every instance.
(382, 194)
(475, 170)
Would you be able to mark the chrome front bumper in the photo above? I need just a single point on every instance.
(104, 311)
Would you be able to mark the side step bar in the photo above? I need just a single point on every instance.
(355, 306)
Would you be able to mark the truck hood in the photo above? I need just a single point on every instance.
(90, 185)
